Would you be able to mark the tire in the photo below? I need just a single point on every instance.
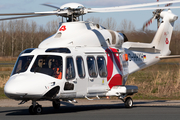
(56, 104)
(31, 110)
(128, 102)
(38, 109)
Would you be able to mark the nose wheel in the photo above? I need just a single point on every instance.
(35, 109)
(56, 104)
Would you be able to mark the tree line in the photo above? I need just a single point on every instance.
(17, 35)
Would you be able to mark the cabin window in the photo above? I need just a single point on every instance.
(70, 71)
(91, 66)
(80, 67)
(22, 64)
(102, 66)
(48, 64)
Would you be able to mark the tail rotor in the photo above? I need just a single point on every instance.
(156, 15)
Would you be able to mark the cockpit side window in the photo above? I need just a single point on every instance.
(49, 65)
(22, 64)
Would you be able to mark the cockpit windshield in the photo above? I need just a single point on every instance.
(49, 65)
(22, 64)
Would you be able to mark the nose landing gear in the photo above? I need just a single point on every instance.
(35, 108)
(56, 104)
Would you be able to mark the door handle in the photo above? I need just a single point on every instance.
(75, 80)
(91, 79)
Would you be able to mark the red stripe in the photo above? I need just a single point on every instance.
(116, 80)
(109, 64)
(116, 56)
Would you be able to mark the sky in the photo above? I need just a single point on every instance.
(137, 17)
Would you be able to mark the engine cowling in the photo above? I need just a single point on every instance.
(117, 39)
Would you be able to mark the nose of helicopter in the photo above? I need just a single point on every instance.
(13, 88)
(25, 87)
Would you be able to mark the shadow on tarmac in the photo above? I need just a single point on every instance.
(79, 108)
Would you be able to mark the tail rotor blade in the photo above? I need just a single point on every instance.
(168, 4)
(149, 22)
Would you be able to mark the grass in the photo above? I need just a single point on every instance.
(157, 82)
(8, 59)
(2, 95)
(5, 71)
(3, 81)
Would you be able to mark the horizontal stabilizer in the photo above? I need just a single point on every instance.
(141, 47)
(149, 50)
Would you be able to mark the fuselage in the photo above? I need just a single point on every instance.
(83, 72)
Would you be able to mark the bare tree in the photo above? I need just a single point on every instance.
(23, 31)
(52, 26)
(126, 26)
(177, 27)
(3, 27)
(110, 23)
(16, 36)
(33, 29)
(95, 20)
(131, 26)
(12, 32)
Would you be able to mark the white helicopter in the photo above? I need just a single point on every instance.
(84, 60)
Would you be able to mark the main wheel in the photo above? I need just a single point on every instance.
(128, 102)
(56, 104)
(38, 109)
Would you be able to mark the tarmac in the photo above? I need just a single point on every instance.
(85, 102)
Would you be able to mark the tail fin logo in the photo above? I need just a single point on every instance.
(167, 41)
(166, 33)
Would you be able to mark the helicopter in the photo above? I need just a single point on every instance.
(84, 60)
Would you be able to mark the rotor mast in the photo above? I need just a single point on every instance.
(73, 11)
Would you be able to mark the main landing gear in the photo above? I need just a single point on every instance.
(128, 102)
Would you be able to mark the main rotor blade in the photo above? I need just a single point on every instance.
(33, 13)
(6, 14)
(49, 5)
(39, 15)
(135, 9)
(135, 6)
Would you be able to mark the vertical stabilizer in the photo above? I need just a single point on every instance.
(162, 38)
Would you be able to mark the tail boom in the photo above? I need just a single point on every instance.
(142, 55)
